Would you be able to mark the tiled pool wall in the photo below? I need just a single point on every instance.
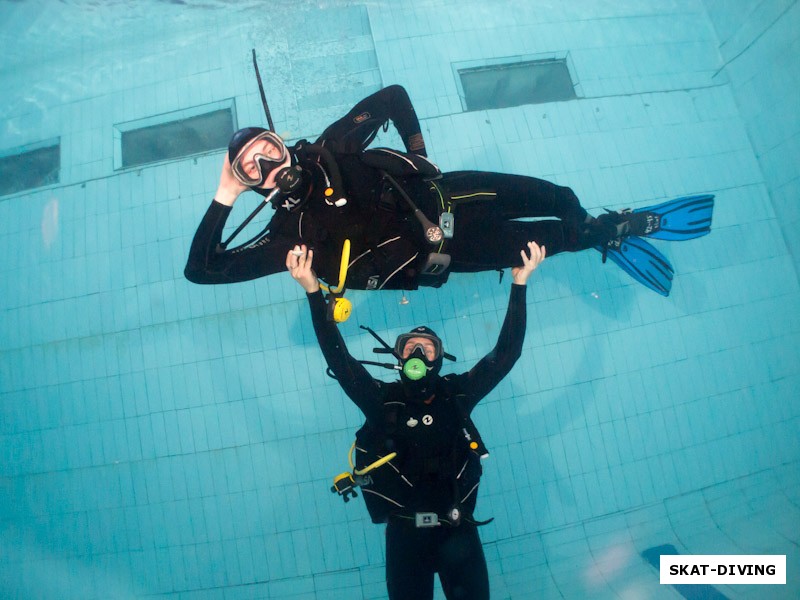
(162, 439)
(759, 46)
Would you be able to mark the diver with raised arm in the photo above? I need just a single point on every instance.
(419, 433)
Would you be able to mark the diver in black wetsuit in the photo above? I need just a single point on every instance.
(427, 492)
(336, 189)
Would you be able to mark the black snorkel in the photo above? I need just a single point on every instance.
(289, 179)
(274, 193)
(263, 95)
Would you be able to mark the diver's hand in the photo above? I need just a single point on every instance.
(298, 261)
(529, 264)
(229, 187)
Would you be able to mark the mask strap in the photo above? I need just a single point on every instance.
(387, 349)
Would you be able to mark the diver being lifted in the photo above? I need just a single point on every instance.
(419, 446)
(409, 224)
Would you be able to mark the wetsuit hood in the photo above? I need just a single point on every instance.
(240, 139)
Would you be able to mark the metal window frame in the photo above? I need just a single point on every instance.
(488, 63)
(20, 151)
(165, 119)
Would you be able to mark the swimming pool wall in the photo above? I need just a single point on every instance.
(759, 48)
(162, 439)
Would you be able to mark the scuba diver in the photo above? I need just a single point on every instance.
(418, 455)
(409, 224)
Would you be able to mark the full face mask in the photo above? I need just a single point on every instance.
(242, 142)
(422, 360)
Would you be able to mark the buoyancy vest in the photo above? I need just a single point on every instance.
(387, 243)
(435, 469)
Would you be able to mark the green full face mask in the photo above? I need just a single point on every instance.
(415, 363)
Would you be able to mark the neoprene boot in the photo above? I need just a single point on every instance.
(618, 225)
(597, 232)
(627, 223)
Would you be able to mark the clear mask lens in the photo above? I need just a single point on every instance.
(264, 164)
(419, 347)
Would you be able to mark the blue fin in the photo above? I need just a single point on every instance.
(643, 262)
(683, 218)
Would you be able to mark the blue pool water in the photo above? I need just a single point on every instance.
(160, 439)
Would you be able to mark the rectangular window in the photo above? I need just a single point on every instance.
(30, 167)
(506, 84)
(174, 135)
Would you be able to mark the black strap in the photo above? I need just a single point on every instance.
(477, 523)
(408, 515)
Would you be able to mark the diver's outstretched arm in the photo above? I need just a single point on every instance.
(356, 129)
(493, 367)
(209, 263)
(356, 382)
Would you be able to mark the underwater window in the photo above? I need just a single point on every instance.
(30, 167)
(516, 83)
(172, 136)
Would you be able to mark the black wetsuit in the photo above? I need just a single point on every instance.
(388, 247)
(435, 469)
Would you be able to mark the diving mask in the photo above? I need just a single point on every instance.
(254, 170)
(429, 346)
(420, 353)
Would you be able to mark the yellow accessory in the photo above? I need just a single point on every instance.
(345, 262)
(378, 463)
(344, 484)
(342, 307)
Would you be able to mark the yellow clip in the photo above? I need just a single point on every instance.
(343, 477)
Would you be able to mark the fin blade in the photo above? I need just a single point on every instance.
(643, 263)
(683, 218)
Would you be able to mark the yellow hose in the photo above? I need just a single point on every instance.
(378, 463)
(345, 262)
